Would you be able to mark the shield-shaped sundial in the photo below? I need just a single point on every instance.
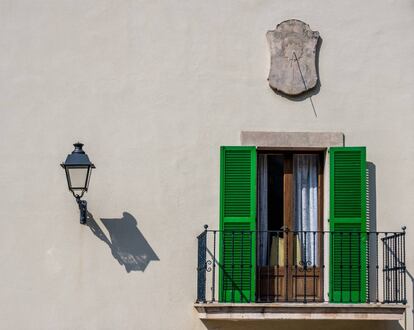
(293, 57)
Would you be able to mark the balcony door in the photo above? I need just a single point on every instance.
(289, 242)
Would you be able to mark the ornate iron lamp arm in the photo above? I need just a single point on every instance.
(83, 208)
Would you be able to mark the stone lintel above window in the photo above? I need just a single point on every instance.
(292, 140)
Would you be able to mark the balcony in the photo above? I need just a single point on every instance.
(301, 275)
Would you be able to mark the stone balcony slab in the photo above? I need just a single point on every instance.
(293, 311)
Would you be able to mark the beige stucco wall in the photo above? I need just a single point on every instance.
(153, 88)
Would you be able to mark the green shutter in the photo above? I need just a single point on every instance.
(237, 271)
(348, 275)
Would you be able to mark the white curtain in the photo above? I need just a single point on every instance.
(263, 226)
(305, 171)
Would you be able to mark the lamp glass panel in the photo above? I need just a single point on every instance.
(78, 177)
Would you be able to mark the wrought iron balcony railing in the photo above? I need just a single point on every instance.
(301, 266)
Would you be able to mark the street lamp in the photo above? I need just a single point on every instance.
(78, 170)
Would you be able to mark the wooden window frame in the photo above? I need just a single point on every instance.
(286, 291)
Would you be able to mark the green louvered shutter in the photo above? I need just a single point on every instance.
(348, 275)
(237, 271)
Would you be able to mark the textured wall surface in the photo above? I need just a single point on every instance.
(153, 88)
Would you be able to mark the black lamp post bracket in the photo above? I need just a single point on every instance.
(83, 208)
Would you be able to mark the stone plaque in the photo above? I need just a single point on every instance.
(293, 57)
